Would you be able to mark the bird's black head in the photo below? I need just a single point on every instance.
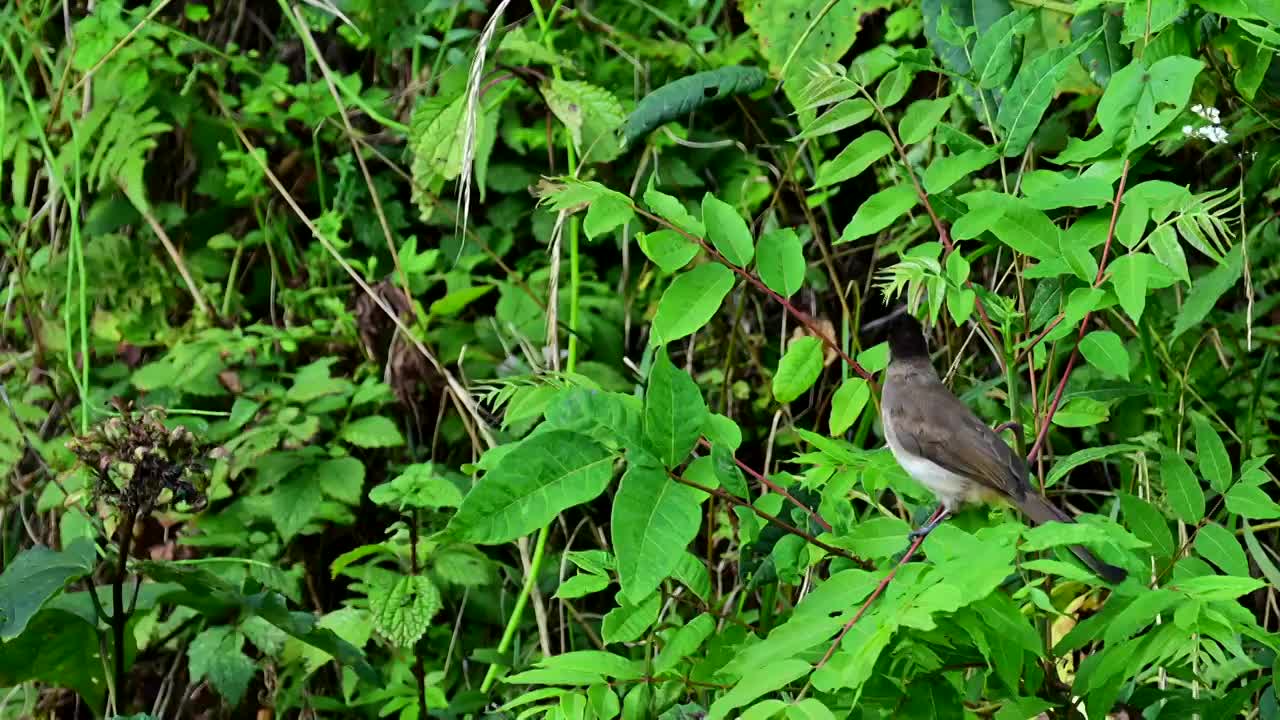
(906, 338)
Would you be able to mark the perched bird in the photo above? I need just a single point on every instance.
(948, 449)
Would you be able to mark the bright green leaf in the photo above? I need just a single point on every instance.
(798, 369)
(690, 302)
(1105, 351)
(727, 230)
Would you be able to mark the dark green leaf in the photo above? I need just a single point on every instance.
(1217, 545)
(1148, 524)
(996, 49)
(1105, 55)
(1030, 94)
(1211, 454)
(684, 95)
(35, 576)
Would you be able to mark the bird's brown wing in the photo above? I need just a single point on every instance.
(941, 429)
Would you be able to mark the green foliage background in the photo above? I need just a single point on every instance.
(528, 356)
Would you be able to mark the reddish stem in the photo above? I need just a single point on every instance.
(875, 594)
(801, 316)
(1084, 323)
(774, 487)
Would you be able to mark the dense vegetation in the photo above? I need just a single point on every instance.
(424, 358)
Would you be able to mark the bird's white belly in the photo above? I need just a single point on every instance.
(950, 489)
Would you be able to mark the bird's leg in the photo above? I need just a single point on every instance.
(942, 513)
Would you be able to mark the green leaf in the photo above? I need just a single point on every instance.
(1105, 351)
(667, 249)
(1268, 568)
(780, 261)
(920, 119)
(341, 479)
(1186, 497)
(217, 654)
(1129, 275)
(543, 475)
(627, 622)
(1139, 614)
(684, 95)
(856, 157)
(374, 431)
(1081, 412)
(757, 682)
(847, 404)
(607, 213)
(1081, 457)
(1078, 255)
(1016, 224)
(33, 577)
(1106, 54)
(674, 411)
(944, 172)
(580, 667)
(1252, 502)
(672, 210)
(458, 300)
(417, 486)
(591, 114)
(1148, 524)
(877, 537)
(1030, 94)
(1220, 547)
(727, 230)
(684, 642)
(798, 369)
(1210, 588)
(879, 211)
(690, 302)
(401, 605)
(294, 503)
(793, 35)
(994, 53)
(1207, 290)
(654, 519)
(1164, 245)
(845, 114)
(581, 585)
(1081, 191)
(1211, 455)
(1165, 91)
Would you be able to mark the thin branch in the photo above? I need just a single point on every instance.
(801, 316)
(1084, 323)
(774, 487)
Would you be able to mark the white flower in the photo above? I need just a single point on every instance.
(1187, 130)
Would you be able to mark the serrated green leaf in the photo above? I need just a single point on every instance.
(727, 231)
(690, 302)
(798, 369)
(294, 503)
(341, 479)
(780, 261)
(217, 654)
(401, 606)
(417, 486)
(591, 114)
(542, 476)
(374, 431)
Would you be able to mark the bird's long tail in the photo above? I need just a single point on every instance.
(1039, 510)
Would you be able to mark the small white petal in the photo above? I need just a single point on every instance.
(1187, 130)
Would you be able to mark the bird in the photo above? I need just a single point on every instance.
(939, 441)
